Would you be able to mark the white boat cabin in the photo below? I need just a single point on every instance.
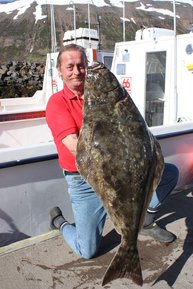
(89, 39)
(157, 70)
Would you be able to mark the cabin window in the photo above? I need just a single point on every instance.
(189, 49)
(108, 61)
(121, 69)
(126, 56)
(52, 65)
(50, 72)
(155, 87)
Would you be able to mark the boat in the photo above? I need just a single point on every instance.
(31, 180)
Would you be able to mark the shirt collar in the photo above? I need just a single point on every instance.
(68, 92)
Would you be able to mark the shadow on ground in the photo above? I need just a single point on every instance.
(13, 235)
(179, 206)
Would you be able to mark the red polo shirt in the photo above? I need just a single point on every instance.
(64, 117)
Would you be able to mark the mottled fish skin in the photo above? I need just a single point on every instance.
(120, 158)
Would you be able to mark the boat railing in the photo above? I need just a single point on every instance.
(22, 103)
(11, 157)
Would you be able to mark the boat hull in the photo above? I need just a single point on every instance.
(27, 193)
(32, 181)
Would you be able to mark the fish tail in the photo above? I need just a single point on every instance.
(125, 264)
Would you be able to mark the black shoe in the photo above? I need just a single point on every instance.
(56, 218)
(158, 233)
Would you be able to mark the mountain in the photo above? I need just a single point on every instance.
(25, 25)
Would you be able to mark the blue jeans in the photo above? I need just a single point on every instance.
(89, 214)
(167, 184)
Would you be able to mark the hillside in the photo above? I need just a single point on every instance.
(23, 38)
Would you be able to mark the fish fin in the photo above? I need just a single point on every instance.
(154, 177)
(125, 264)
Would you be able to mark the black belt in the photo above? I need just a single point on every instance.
(70, 173)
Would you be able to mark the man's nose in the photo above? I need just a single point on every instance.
(76, 70)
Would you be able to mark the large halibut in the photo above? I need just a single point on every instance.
(122, 161)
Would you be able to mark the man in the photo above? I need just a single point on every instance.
(64, 117)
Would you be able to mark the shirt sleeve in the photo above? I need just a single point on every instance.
(59, 118)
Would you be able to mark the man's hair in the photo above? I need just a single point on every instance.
(68, 48)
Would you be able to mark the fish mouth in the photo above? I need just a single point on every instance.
(96, 65)
(112, 83)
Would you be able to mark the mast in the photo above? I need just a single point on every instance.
(89, 24)
(123, 21)
(53, 29)
(53, 49)
(175, 66)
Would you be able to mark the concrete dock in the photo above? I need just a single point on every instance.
(46, 261)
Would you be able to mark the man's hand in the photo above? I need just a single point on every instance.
(70, 141)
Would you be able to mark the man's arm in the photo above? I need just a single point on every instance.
(70, 141)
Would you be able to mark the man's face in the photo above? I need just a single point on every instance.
(73, 69)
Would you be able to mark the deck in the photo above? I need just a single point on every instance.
(46, 262)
